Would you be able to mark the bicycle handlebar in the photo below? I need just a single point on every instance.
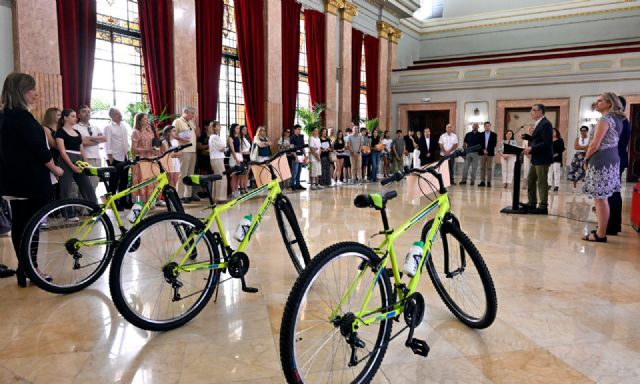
(398, 176)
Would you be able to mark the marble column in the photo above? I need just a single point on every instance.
(184, 55)
(383, 75)
(36, 50)
(344, 96)
(273, 68)
(331, 61)
(393, 64)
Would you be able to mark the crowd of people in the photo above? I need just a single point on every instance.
(47, 153)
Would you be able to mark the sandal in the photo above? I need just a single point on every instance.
(595, 238)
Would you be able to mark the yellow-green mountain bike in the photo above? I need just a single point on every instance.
(337, 321)
(168, 278)
(68, 243)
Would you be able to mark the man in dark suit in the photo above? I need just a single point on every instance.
(541, 150)
(428, 147)
(471, 159)
(487, 153)
(615, 200)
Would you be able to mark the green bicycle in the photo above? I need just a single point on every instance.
(337, 321)
(167, 280)
(68, 243)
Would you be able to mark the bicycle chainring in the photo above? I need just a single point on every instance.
(414, 304)
(238, 265)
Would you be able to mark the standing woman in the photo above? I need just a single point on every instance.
(376, 150)
(283, 144)
(50, 126)
(245, 148)
(314, 154)
(325, 163)
(416, 152)
(577, 172)
(507, 161)
(603, 161)
(71, 150)
(386, 154)
(235, 157)
(170, 140)
(341, 154)
(141, 144)
(555, 171)
(25, 161)
(216, 156)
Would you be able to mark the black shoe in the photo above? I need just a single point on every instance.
(185, 200)
(481, 184)
(194, 198)
(6, 272)
(453, 183)
(527, 207)
(489, 185)
(463, 183)
(539, 211)
(472, 183)
(555, 189)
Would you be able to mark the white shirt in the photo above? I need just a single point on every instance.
(314, 143)
(118, 139)
(537, 121)
(88, 130)
(448, 140)
(216, 147)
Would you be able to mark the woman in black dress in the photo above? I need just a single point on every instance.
(26, 164)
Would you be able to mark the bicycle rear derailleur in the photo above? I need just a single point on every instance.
(238, 266)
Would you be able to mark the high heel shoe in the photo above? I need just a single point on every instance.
(22, 278)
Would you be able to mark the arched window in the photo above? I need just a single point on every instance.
(362, 112)
(230, 97)
(118, 74)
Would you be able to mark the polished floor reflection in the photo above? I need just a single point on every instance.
(567, 310)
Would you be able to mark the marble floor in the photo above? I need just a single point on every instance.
(567, 310)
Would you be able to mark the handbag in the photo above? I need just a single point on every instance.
(333, 157)
(379, 147)
(254, 153)
(365, 149)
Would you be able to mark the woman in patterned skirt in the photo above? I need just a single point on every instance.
(142, 145)
(603, 162)
(577, 172)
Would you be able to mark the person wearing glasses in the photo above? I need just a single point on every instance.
(92, 137)
(541, 150)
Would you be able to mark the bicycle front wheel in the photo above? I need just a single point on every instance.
(461, 277)
(149, 284)
(66, 245)
(316, 336)
(291, 234)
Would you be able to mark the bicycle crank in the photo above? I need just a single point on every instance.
(413, 314)
(238, 266)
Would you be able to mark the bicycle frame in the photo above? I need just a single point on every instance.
(387, 250)
(86, 226)
(214, 217)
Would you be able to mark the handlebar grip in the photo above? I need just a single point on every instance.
(473, 148)
(395, 177)
(183, 146)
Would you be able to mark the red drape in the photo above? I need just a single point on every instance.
(156, 26)
(356, 62)
(290, 55)
(314, 27)
(77, 42)
(250, 29)
(209, 55)
(371, 54)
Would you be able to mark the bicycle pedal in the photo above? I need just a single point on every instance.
(249, 289)
(419, 347)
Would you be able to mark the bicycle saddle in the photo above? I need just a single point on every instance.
(100, 172)
(200, 179)
(374, 200)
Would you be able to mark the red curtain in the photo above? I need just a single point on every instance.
(314, 27)
(209, 54)
(371, 54)
(77, 42)
(250, 29)
(356, 62)
(290, 55)
(156, 26)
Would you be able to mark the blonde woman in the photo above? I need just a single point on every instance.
(507, 161)
(141, 144)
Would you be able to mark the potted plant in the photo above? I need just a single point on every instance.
(311, 118)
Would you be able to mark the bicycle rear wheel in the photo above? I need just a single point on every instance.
(461, 277)
(314, 345)
(147, 287)
(66, 245)
(291, 233)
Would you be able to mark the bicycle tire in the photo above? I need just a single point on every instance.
(284, 211)
(487, 314)
(37, 256)
(143, 274)
(292, 334)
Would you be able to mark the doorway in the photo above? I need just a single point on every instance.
(633, 172)
(436, 120)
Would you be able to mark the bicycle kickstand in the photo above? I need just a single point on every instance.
(419, 347)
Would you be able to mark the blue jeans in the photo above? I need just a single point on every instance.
(296, 169)
(375, 163)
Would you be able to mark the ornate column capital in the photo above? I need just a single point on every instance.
(332, 6)
(384, 30)
(349, 11)
(397, 35)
